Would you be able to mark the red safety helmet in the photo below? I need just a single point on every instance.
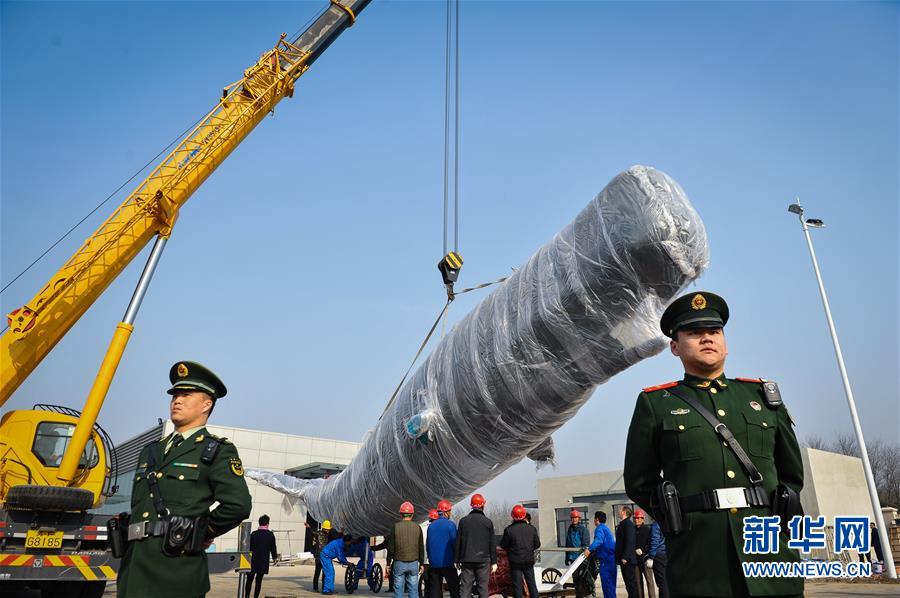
(445, 506)
(433, 515)
(575, 513)
(478, 501)
(639, 513)
(407, 508)
(518, 513)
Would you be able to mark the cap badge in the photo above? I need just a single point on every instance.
(698, 302)
(756, 406)
(680, 411)
(181, 370)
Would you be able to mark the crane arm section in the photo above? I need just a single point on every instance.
(152, 208)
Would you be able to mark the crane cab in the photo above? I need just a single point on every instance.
(32, 445)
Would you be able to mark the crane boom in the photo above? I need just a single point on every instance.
(152, 208)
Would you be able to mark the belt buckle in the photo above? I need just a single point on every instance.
(730, 498)
(137, 531)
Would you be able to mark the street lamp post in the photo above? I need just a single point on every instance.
(796, 208)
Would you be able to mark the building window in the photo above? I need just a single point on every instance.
(562, 525)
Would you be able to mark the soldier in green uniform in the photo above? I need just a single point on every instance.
(189, 470)
(669, 440)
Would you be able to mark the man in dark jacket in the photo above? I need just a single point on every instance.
(320, 541)
(476, 549)
(440, 545)
(262, 545)
(626, 556)
(520, 540)
(642, 550)
(406, 553)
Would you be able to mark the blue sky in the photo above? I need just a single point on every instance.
(303, 271)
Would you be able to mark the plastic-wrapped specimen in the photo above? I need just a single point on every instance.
(520, 365)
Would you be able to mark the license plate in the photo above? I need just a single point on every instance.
(36, 538)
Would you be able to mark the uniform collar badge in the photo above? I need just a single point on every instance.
(680, 411)
(756, 406)
(199, 438)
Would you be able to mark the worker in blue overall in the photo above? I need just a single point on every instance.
(360, 549)
(604, 549)
(336, 549)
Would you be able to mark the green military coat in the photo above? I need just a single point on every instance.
(669, 440)
(189, 486)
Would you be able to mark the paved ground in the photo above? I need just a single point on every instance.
(296, 582)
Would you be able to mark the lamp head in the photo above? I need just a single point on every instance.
(795, 208)
(815, 223)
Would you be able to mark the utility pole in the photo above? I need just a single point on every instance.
(796, 208)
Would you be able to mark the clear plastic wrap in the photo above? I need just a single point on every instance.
(583, 308)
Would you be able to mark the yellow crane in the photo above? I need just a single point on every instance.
(58, 458)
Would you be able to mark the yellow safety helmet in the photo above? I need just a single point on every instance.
(326, 524)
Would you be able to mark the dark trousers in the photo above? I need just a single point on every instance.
(659, 574)
(317, 573)
(436, 577)
(250, 577)
(631, 575)
(517, 572)
(476, 575)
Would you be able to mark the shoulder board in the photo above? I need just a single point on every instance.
(660, 386)
(221, 439)
(750, 380)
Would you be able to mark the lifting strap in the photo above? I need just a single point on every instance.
(450, 297)
(419, 352)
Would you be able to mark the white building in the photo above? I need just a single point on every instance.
(302, 456)
(833, 485)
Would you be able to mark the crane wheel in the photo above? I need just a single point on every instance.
(49, 498)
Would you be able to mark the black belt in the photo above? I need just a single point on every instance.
(725, 498)
(146, 529)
